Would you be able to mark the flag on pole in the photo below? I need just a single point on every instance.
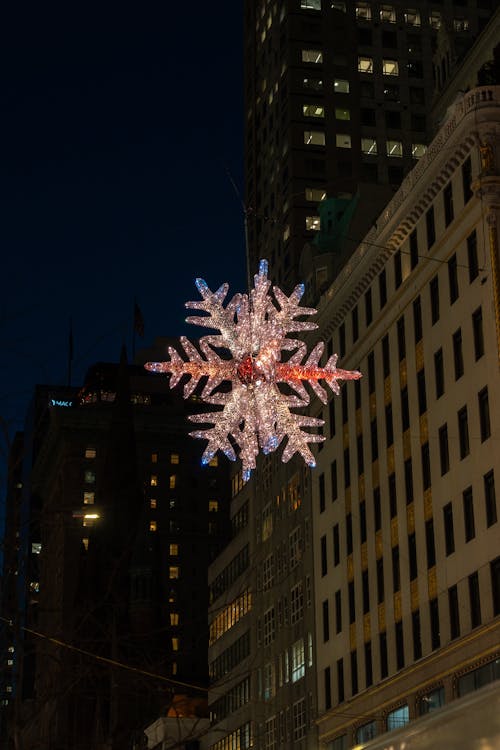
(138, 321)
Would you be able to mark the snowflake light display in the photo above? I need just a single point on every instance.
(255, 414)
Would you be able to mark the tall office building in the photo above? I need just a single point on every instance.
(337, 96)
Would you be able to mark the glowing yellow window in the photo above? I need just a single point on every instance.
(313, 110)
(154, 458)
(174, 618)
(213, 506)
(173, 571)
(214, 461)
(312, 223)
(390, 67)
(175, 644)
(153, 503)
(90, 453)
(154, 480)
(174, 667)
(85, 542)
(174, 550)
(174, 458)
(173, 481)
(152, 526)
(89, 498)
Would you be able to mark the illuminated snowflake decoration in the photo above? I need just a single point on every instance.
(256, 412)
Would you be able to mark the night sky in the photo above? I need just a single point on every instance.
(118, 134)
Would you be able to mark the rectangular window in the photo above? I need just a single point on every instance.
(430, 226)
(408, 472)
(368, 307)
(393, 504)
(454, 612)
(342, 114)
(355, 324)
(448, 204)
(449, 534)
(377, 509)
(311, 4)
(382, 288)
(340, 86)
(314, 138)
(413, 249)
(467, 180)
(472, 256)
(390, 67)
(426, 466)
(484, 414)
(396, 578)
(314, 56)
(430, 545)
(434, 618)
(417, 635)
(405, 409)
(412, 556)
(321, 490)
(360, 454)
(468, 505)
(439, 372)
(326, 622)
(331, 417)
(369, 146)
(368, 665)
(495, 584)
(313, 110)
(328, 688)
(365, 64)
(380, 580)
(458, 357)
(336, 545)
(338, 611)
(474, 600)
(444, 455)
(365, 591)
(477, 329)
(453, 278)
(312, 223)
(324, 559)
(343, 140)
(371, 372)
(298, 660)
(490, 498)
(463, 432)
(421, 392)
(374, 439)
(384, 663)
(394, 148)
(348, 533)
(347, 468)
(354, 672)
(334, 480)
(312, 83)
(400, 647)
(386, 361)
(434, 294)
(400, 326)
(398, 270)
(357, 394)
(389, 428)
(417, 319)
(299, 720)
(340, 680)
(352, 602)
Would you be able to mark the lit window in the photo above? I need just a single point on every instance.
(214, 461)
(365, 64)
(154, 458)
(312, 56)
(311, 4)
(35, 586)
(174, 667)
(460, 24)
(341, 86)
(316, 195)
(394, 148)
(153, 503)
(173, 481)
(312, 223)
(398, 718)
(174, 458)
(412, 16)
(89, 518)
(313, 84)
(8, 689)
(154, 480)
(364, 11)
(213, 506)
(314, 138)
(343, 140)
(342, 114)
(88, 498)
(339, 5)
(418, 150)
(388, 13)
(153, 526)
(85, 542)
(173, 572)
(313, 110)
(173, 550)
(390, 67)
(435, 19)
(11, 649)
(174, 618)
(175, 644)
(298, 660)
(369, 145)
(89, 476)
(10, 662)
(286, 233)
(36, 548)
(90, 453)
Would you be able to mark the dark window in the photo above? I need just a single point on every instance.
(408, 471)
(490, 498)
(444, 455)
(458, 358)
(338, 611)
(430, 225)
(463, 432)
(382, 288)
(368, 665)
(430, 544)
(322, 498)
(336, 545)
(412, 556)
(417, 636)
(454, 612)
(326, 622)
(367, 116)
(331, 415)
(345, 405)
(405, 409)
(426, 466)
(467, 179)
(449, 534)
(374, 439)
(417, 319)
(386, 362)
(355, 324)
(484, 414)
(340, 679)
(448, 204)
(362, 521)
(422, 394)
(354, 672)
(389, 429)
(413, 249)
(334, 481)
(377, 509)
(398, 272)
(400, 646)
(439, 372)
(393, 502)
(495, 584)
(384, 666)
(401, 338)
(380, 581)
(472, 256)
(453, 278)
(474, 600)
(396, 577)
(348, 533)
(371, 372)
(434, 294)
(477, 329)
(357, 394)
(342, 339)
(368, 307)
(324, 559)
(468, 504)
(347, 468)
(328, 688)
(434, 618)
(352, 602)
(366, 592)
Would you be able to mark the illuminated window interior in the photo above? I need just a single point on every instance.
(342, 114)
(412, 16)
(315, 195)
(153, 503)
(154, 458)
(174, 458)
(89, 476)
(174, 667)
(213, 506)
(90, 453)
(394, 148)
(343, 140)
(230, 615)
(175, 643)
(313, 110)
(388, 13)
(312, 56)
(154, 480)
(173, 550)
(364, 11)
(173, 481)
(369, 146)
(36, 548)
(90, 518)
(153, 526)
(365, 64)
(173, 572)
(314, 138)
(312, 223)
(341, 86)
(85, 542)
(214, 461)
(174, 618)
(418, 150)
(390, 67)
(88, 498)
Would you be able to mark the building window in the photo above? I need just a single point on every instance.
(363, 11)
(458, 358)
(90, 453)
(484, 414)
(311, 4)
(431, 701)
(422, 394)
(312, 223)
(434, 294)
(417, 635)
(328, 687)
(396, 577)
(472, 256)
(463, 432)
(418, 150)
(295, 547)
(394, 148)
(336, 545)
(454, 612)
(408, 472)
(314, 138)
(354, 672)
(474, 600)
(439, 372)
(490, 498)
(388, 13)
(365, 592)
(414, 250)
(296, 603)
(315, 195)
(468, 506)
(400, 645)
(269, 626)
(430, 227)
(88, 498)
(89, 476)
(365, 64)
(343, 140)
(347, 468)
(380, 580)
(369, 146)
(338, 611)
(430, 544)
(173, 572)
(368, 665)
(374, 438)
(389, 428)
(340, 86)
(348, 533)
(366, 732)
(444, 455)
(323, 555)
(314, 56)
(398, 271)
(400, 326)
(360, 454)
(313, 110)
(386, 363)
(393, 500)
(390, 68)
(326, 622)
(298, 660)
(355, 324)
(382, 287)
(426, 466)
(453, 278)
(495, 586)
(172, 481)
(449, 534)
(342, 113)
(448, 204)
(405, 410)
(312, 83)
(477, 329)
(173, 550)
(478, 677)
(352, 602)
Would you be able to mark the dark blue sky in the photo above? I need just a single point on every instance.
(117, 135)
